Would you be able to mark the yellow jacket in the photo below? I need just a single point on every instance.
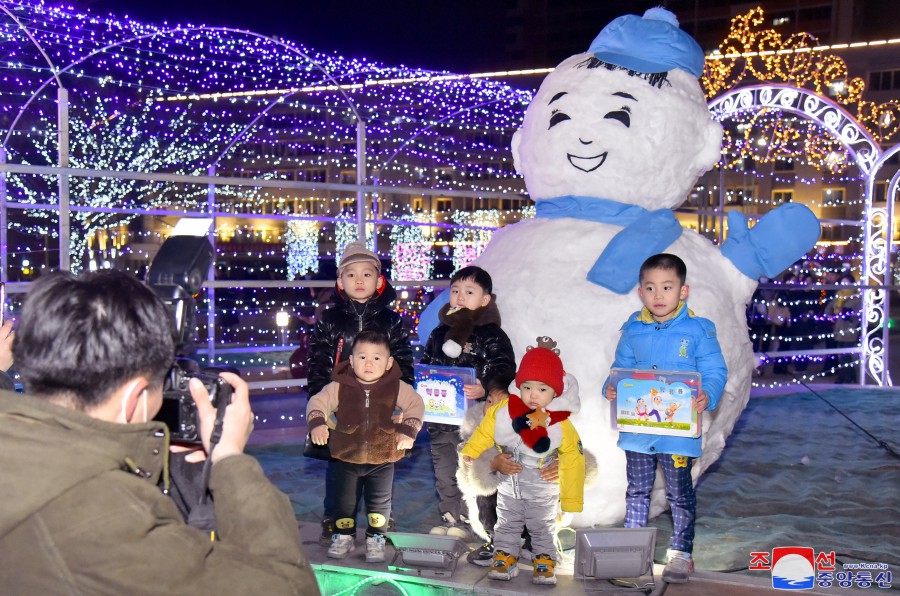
(571, 454)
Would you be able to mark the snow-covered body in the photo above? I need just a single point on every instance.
(544, 291)
(613, 140)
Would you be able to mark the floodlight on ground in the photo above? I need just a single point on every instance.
(425, 555)
(615, 553)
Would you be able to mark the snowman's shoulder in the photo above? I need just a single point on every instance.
(699, 253)
(714, 280)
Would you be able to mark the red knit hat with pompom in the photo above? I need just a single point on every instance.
(543, 365)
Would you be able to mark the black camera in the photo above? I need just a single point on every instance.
(176, 274)
(179, 411)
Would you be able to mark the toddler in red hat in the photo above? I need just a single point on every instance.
(535, 430)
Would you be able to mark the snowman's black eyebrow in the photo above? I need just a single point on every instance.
(625, 95)
(557, 96)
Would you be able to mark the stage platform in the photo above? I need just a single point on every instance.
(354, 576)
(813, 468)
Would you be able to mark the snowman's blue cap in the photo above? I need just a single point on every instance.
(649, 44)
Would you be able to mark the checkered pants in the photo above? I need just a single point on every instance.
(641, 472)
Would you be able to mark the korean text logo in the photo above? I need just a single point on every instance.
(800, 568)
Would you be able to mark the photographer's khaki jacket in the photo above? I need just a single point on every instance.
(81, 513)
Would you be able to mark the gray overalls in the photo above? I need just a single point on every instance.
(526, 500)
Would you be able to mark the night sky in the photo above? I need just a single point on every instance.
(455, 35)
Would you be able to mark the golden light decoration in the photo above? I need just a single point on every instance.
(882, 120)
(768, 135)
(826, 153)
(752, 54)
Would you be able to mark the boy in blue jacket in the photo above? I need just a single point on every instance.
(666, 335)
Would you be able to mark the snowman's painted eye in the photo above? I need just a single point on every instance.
(622, 116)
(558, 117)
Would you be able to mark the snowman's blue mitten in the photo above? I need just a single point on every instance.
(778, 239)
(428, 319)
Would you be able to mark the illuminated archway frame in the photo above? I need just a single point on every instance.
(877, 221)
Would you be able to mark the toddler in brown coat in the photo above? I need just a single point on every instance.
(368, 417)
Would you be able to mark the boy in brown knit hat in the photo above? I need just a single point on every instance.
(534, 428)
(363, 300)
(372, 417)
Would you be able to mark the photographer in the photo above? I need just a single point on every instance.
(80, 460)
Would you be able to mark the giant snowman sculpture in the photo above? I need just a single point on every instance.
(607, 151)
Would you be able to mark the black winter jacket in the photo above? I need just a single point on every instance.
(344, 321)
(487, 350)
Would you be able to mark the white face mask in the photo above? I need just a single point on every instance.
(125, 401)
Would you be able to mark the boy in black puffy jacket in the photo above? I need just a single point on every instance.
(363, 302)
(469, 335)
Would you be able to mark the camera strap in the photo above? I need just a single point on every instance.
(203, 514)
(218, 424)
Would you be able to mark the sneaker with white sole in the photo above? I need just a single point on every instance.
(503, 567)
(341, 546)
(543, 570)
(679, 567)
(482, 556)
(375, 548)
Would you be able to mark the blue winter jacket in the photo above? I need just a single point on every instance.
(684, 343)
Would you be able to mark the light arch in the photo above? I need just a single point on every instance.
(877, 223)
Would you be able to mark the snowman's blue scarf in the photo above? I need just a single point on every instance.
(644, 233)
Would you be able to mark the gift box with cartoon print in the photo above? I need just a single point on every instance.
(655, 402)
(441, 388)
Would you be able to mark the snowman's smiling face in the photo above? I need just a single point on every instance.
(586, 157)
(594, 132)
